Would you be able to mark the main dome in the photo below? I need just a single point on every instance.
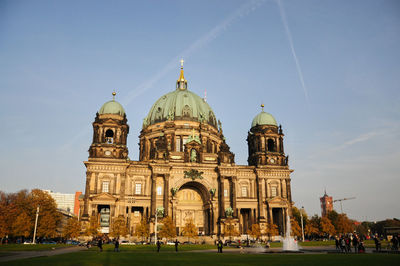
(180, 104)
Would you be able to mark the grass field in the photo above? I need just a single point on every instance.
(137, 257)
(21, 247)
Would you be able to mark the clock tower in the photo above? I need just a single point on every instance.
(265, 141)
(110, 131)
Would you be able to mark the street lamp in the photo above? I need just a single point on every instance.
(34, 232)
(302, 227)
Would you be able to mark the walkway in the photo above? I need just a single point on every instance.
(17, 255)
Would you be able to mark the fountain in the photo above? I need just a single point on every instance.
(289, 244)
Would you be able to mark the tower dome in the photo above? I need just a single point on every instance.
(263, 118)
(112, 107)
(180, 104)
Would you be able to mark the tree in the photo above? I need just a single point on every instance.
(271, 229)
(295, 228)
(344, 225)
(230, 228)
(311, 229)
(142, 229)
(327, 227)
(118, 227)
(333, 216)
(22, 225)
(73, 228)
(255, 231)
(7, 215)
(93, 227)
(168, 230)
(49, 217)
(190, 229)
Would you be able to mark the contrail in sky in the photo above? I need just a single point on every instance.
(289, 36)
(242, 11)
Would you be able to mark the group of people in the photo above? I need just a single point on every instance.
(345, 242)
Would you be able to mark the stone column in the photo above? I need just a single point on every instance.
(87, 192)
(121, 191)
(153, 196)
(270, 218)
(166, 194)
(221, 197)
(288, 191)
(233, 196)
(129, 217)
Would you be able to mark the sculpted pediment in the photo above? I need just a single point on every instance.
(104, 197)
(277, 201)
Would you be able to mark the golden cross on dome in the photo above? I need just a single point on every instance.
(113, 94)
(262, 107)
(182, 61)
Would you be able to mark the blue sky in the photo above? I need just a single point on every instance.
(328, 71)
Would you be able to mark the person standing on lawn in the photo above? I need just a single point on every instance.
(116, 245)
(100, 244)
(158, 245)
(355, 243)
(176, 245)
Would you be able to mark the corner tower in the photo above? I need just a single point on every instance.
(265, 141)
(110, 131)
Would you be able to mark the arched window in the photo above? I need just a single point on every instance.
(186, 111)
(271, 145)
(109, 136)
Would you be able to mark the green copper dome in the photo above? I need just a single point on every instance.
(180, 105)
(264, 118)
(112, 107)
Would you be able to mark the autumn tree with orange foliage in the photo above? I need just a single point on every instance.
(93, 227)
(73, 228)
(295, 228)
(344, 225)
(143, 229)
(18, 210)
(271, 229)
(168, 229)
(255, 231)
(118, 227)
(190, 229)
(326, 227)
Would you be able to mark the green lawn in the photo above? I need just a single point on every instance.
(152, 248)
(137, 257)
(22, 247)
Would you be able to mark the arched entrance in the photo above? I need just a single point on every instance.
(193, 202)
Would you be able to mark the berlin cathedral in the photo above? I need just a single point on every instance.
(185, 169)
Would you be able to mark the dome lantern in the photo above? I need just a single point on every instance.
(181, 83)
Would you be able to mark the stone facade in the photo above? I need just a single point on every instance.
(186, 168)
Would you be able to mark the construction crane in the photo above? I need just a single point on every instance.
(340, 200)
